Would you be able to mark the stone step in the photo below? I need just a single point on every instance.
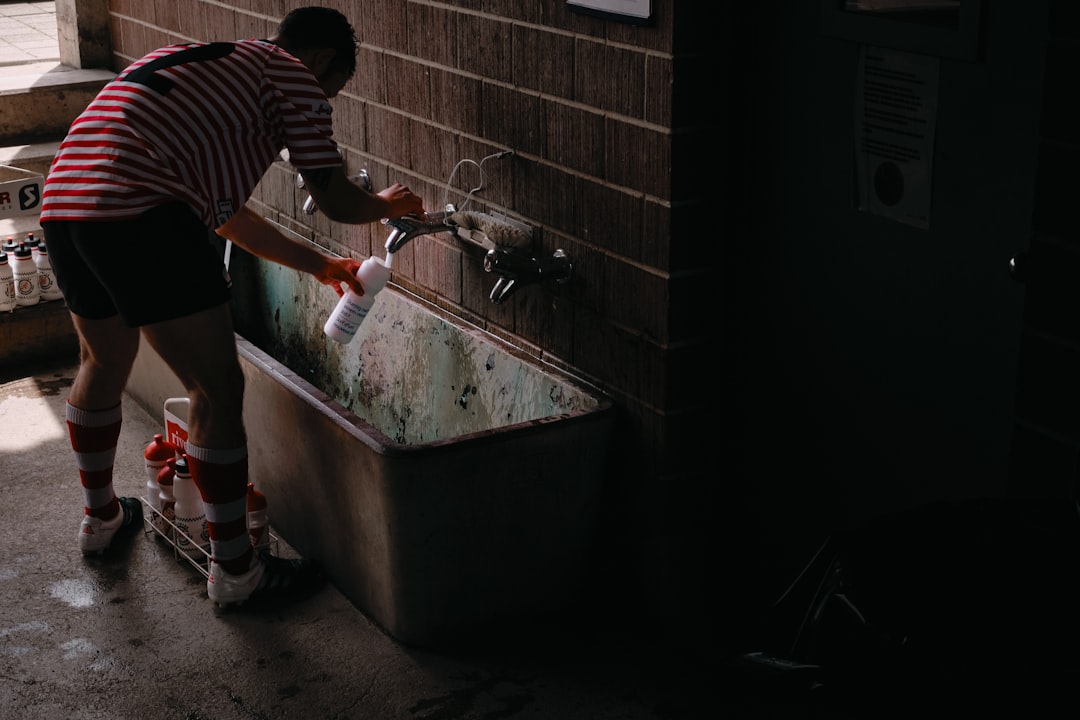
(39, 100)
(35, 334)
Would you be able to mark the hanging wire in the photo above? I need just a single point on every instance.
(483, 178)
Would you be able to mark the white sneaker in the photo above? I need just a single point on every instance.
(95, 534)
(267, 577)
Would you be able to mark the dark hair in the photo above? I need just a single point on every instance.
(313, 28)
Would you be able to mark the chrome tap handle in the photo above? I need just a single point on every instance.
(407, 227)
(516, 269)
(365, 180)
(504, 286)
(558, 267)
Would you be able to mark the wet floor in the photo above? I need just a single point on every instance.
(133, 635)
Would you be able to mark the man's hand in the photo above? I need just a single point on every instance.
(340, 270)
(401, 201)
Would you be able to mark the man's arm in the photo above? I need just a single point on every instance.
(253, 233)
(344, 201)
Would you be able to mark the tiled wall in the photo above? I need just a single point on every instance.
(615, 154)
(1046, 439)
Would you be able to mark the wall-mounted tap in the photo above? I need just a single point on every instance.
(309, 205)
(410, 226)
(516, 269)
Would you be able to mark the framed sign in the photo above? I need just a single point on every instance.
(638, 12)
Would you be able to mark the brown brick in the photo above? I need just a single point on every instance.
(167, 14)
(408, 86)
(434, 153)
(484, 47)
(220, 23)
(388, 135)
(656, 35)
(363, 240)
(432, 33)
(545, 192)
(499, 175)
(384, 25)
(543, 61)
(512, 118)
(638, 158)
(154, 38)
(348, 120)
(642, 309)
(254, 27)
(656, 235)
(369, 82)
(437, 265)
(611, 219)
(544, 315)
(574, 137)
(624, 359)
(658, 94)
(193, 21)
(610, 78)
(456, 101)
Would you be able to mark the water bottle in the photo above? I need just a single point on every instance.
(46, 279)
(165, 479)
(257, 519)
(7, 284)
(10, 245)
(156, 453)
(351, 309)
(192, 533)
(27, 283)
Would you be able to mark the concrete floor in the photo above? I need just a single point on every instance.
(133, 635)
(28, 32)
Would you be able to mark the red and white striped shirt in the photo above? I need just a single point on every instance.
(199, 123)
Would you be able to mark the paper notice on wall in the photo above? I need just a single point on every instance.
(895, 117)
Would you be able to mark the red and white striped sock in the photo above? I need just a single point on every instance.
(94, 434)
(222, 478)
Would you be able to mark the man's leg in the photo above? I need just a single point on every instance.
(201, 350)
(107, 350)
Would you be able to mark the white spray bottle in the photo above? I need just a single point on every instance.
(351, 309)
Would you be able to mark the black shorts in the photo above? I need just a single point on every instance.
(160, 266)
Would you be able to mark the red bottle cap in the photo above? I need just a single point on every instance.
(159, 449)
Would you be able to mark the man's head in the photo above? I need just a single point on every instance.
(324, 40)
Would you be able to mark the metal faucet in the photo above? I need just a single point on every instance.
(409, 226)
(516, 269)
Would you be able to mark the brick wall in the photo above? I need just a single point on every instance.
(614, 158)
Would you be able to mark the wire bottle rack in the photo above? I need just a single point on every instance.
(160, 526)
(184, 548)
